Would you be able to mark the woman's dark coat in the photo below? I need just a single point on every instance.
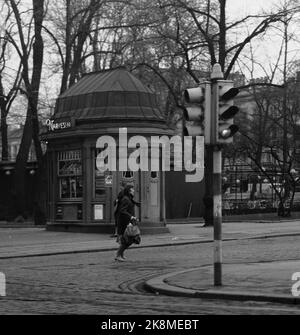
(124, 213)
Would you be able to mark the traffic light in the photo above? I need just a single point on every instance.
(225, 111)
(197, 115)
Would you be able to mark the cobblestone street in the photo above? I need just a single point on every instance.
(94, 283)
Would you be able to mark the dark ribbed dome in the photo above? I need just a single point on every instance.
(108, 96)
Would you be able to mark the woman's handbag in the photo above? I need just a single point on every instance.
(132, 234)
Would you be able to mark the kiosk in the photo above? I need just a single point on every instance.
(80, 195)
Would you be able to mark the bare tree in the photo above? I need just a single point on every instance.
(211, 20)
(273, 122)
(31, 80)
(9, 91)
(72, 22)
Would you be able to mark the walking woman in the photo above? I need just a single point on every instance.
(124, 215)
(116, 204)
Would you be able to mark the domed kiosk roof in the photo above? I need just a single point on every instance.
(109, 96)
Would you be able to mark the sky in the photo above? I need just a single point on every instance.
(241, 7)
(266, 49)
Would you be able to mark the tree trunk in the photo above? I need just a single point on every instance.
(66, 66)
(4, 135)
(253, 190)
(31, 128)
(222, 34)
(95, 45)
(257, 161)
(283, 211)
(19, 193)
(3, 126)
(38, 55)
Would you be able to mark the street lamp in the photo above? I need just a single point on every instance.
(274, 185)
(224, 180)
(239, 186)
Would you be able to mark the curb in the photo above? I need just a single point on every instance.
(20, 225)
(104, 249)
(158, 285)
(225, 219)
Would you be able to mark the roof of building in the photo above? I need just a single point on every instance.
(109, 95)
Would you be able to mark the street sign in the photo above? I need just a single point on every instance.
(108, 180)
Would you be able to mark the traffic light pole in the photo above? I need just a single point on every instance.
(214, 101)
(217, 215)
(209, 149)
(216, 181)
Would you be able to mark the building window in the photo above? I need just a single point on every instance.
(154, 175)
(70, 174)
(99, 177)
(128, 175)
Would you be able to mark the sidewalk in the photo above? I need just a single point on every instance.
(269, 282)
(256, 217)
(25, 242)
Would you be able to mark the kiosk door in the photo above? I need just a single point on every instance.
(153, 196)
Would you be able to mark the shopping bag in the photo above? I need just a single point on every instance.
(132, 234)
(132, 230)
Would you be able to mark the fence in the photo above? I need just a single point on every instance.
(245, 206)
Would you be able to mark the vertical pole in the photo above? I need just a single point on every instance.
(217, 200)
(217, 175)
(236, 188)
(140, 194)
(241, 187)
(208, 197)
(88, 180)
(53, 185)
(162, 177)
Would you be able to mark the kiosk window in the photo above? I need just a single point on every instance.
(154, 175)
(127, 174)
(70, 174)
(99, 178)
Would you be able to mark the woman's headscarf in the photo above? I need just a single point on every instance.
(127, 190)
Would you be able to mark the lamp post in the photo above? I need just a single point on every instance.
(235, 184)
(273, 185)
(238, 185)
(259, 180)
